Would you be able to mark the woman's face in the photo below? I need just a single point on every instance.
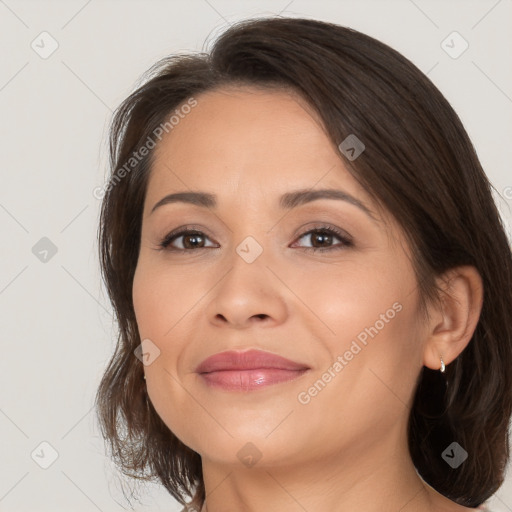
(249, 280)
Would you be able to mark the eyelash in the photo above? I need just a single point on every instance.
(346, 241)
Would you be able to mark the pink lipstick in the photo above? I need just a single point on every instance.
(247, 371)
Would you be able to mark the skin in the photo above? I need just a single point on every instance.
(347, 448)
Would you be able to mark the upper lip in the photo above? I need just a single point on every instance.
(248, 360)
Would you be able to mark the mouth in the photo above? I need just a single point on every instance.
(247, 371)
(248, 380)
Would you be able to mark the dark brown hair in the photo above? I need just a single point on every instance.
(418, 164)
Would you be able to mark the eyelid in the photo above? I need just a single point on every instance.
(319, 226)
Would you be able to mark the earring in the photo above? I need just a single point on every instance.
(443, 367)
(144, 376)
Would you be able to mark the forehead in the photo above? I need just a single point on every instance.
(249, 141)
(251, 124)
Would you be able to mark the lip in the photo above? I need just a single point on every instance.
(249, 370)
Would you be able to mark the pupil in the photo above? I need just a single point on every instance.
(324, 236)
(192, 237)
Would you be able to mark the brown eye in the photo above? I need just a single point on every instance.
(190, 240)
(323, 236)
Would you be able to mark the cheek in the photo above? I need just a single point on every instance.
(160, 298)
(372, 317)
(370, 388)
(350, 298)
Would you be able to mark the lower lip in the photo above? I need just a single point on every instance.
(249, 380)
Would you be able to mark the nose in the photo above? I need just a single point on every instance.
(247, 294)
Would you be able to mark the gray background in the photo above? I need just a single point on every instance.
(57, 331)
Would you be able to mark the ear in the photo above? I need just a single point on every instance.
(453, 322)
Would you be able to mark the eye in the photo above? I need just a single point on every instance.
(324, 235)
(193, 239)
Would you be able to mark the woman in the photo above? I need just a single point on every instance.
(302, 249)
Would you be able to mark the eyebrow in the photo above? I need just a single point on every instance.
(287, 201)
